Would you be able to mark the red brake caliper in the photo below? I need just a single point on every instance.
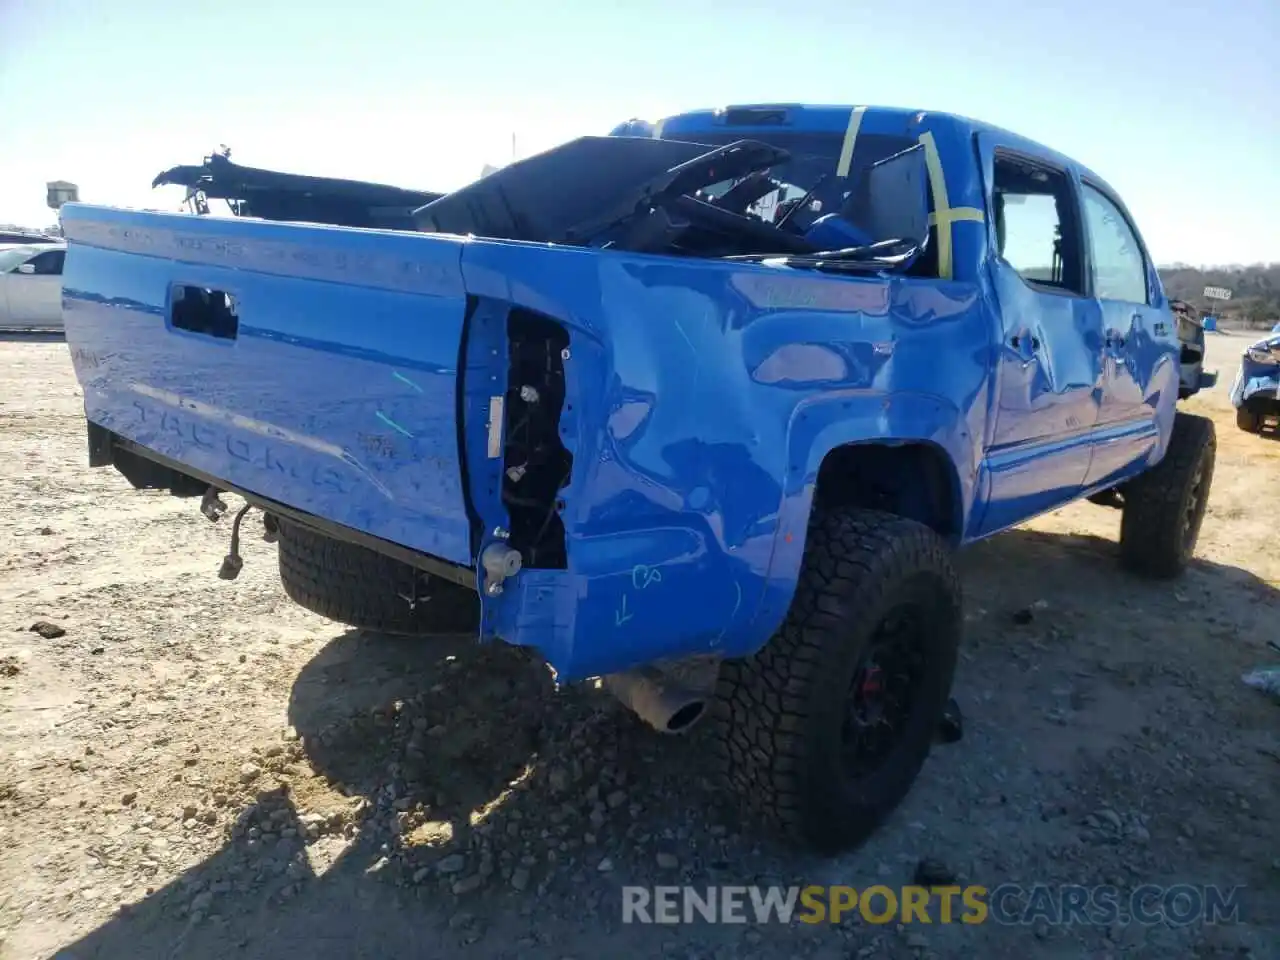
(871, 681)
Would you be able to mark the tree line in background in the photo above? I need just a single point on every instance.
(1255, 291)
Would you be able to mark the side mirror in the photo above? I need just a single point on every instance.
(28, 268)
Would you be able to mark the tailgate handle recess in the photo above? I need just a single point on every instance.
(204, 310)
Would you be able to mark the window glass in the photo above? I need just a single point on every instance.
(1031, 234)
(1119, 272)
(48, 263)
(11, 258)
(1032, 208)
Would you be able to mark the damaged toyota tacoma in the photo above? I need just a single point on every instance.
(701, 408)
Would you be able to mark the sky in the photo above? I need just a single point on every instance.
(1174, 106)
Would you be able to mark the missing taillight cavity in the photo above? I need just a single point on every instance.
(204, 310)
(535, 462)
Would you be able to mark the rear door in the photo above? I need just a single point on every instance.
(1047, 374)
(1135, 335)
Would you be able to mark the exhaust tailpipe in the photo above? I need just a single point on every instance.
(665, 705)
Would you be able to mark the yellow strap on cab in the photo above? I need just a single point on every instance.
(944, 215)
(850, 138)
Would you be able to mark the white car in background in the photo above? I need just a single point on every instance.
(31, 286)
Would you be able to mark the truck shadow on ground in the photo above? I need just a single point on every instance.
(444, 800)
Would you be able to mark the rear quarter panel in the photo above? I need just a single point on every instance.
(706, 396)
(703, 397)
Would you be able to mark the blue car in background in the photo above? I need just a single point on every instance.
(1256, 391)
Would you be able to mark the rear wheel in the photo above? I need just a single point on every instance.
(366, 589)
(1164, 507)
(823, 731)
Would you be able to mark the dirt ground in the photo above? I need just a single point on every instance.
(197, 768)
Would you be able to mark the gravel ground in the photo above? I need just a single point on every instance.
(197, 768)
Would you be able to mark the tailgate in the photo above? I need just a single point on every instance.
(310, 365)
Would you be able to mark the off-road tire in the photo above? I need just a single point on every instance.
(366, 589)
(1165, 506)
(778, 718)
(1250, 421)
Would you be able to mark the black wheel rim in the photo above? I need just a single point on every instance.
(1193, 508)
(884, 692)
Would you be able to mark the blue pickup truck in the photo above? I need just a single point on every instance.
(701, 408)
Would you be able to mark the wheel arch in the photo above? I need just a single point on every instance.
(887, 438)
(915, 479)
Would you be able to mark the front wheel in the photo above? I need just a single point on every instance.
(823, 731)
(1250, 421)
(1164, 507)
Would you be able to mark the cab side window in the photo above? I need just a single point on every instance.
(1119, 268)
(49, 263)
(1035, 225)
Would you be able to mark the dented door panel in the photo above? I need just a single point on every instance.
(1046, 400)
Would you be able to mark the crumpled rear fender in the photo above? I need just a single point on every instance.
(702, 397)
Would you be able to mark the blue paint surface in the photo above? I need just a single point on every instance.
(702, 396)
(297, 407)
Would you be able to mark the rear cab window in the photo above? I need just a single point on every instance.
(814, 158)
